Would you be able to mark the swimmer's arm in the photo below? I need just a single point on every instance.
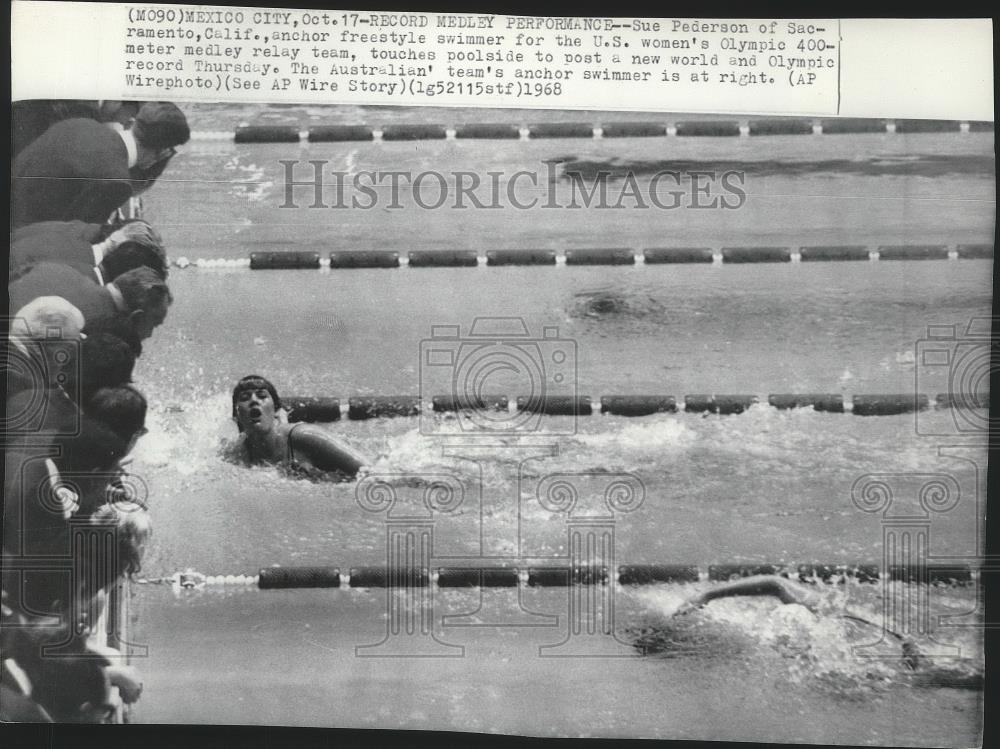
(786, 591)
(759, 585)
(326, 453)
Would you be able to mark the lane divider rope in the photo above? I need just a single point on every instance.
(328, 409)
(278, 577)
(602, 256)
(248, 133)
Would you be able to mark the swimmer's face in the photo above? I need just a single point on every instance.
(255, 410)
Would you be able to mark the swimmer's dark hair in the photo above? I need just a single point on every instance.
(255, 382)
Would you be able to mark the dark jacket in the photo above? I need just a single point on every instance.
(77, 169)
(68, 242)
(53, 279)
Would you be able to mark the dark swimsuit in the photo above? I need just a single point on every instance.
(291, 452)
(290, 461)
(309, 471)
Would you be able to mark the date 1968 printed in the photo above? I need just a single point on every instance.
(407, 58)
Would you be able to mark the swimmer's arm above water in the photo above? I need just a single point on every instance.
(788, 592)
(324, 452)
(758, 585)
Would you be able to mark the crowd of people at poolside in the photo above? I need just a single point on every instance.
(88, 288)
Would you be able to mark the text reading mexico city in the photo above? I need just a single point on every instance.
(261, 37)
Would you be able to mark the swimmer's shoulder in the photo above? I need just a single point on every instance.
(309, 442)
(322, 449)
(304, 434)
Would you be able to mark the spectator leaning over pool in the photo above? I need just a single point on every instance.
(136, 300)
(39, 503)
(32, 117)
(97, 251)
(44, 319)
(82, 169)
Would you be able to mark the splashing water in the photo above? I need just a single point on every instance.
(617, 311)
(219, 516)
(185, 438)
(823, 652)
(653, 436)
(410, 451)
(251, 184)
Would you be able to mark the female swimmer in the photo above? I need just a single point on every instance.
(268, 438)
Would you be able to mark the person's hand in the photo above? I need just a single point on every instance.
(136, 231)
(128, 681)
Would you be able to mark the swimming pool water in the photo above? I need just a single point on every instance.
(764, 486)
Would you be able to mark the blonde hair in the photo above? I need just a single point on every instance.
(133, 530)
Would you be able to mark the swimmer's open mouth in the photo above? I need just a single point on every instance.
(255, 413)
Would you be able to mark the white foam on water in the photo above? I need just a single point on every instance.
(195, 440)
(826, 652)
(351, 162)
(184, 436)
(762, 436)
(663, 599)
(650, 435)
(250, 184)
(817, 651)
(409, 452)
